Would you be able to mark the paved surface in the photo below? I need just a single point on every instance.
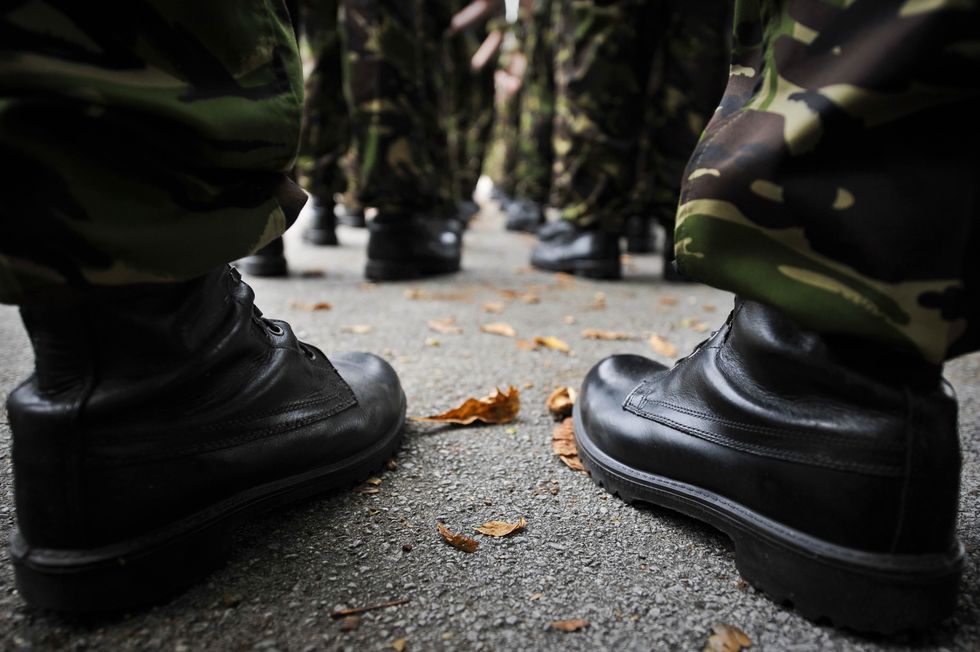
(644, 579)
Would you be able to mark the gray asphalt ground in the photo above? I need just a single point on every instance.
(644, 579)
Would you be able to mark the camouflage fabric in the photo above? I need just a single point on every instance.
(325, 139)
(686, 81)
(838, 179)
(500, 163)
(393, 80)
(537, 105)
(149, 143)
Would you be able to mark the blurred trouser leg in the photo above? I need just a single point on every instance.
(144, 148)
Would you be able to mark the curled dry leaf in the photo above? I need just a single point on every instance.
(313, 306)
(597, 334)
(445, 326)
(357, 329)
(560, 403)
(563, 444)
(727, 638)
(493, 307)
(459, 541)
(499, 407)
(572, 625)
(668, 300)
(552, 342)
(659, 344)
(501, 528)
(499, 328)
(399, 644)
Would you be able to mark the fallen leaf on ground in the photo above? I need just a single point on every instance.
(431, 341)
(530, 298)
(499, 328)
(350, 623)
(501, 528)
(367, 491)
(459, 541)
(527, 345)
(312, 306)
(598, 301)
(493, 307)
(341, 613)
(598, 334)
(668, 300)
(694, 324)
(445, 326)
(560, 403)
(662, 346)
(564, 278)
(563, 444)
(727, 638)
(374, 482)
(312, 273)
(419, 295)
(569, 625)
(499, 407)
(708, 308)
(536, 596)
(553, 343)
(399, 644)
(357, 329)
(568, 319)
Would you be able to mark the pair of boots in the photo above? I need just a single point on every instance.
(159, 418)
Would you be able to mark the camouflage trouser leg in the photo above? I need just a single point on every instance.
(604, 53)
(149, 143)
(839, 179)
(326, 128)
(537, 110)
(686, 83)
(393, 81)
(502, 154)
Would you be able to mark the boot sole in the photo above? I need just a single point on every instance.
(866, 592)
(401, 270)
(151, 568)
(589, 268)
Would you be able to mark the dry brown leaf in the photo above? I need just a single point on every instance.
(459, 541)
(560, 403)
(553, 343)
(501, 528)
(563, 445)
(564, 278)
(357, 329)
(572, 625)
(694, 324)
(568, 319)
(530, 298)
(350, 623)
(431, 341)
(374, 482)
(727, 638)
(312, 307)
(499, 407)
(312, 273)
(499, 328)
(659, 344)
(535, 596)
(367, 491)
(445, 326)
(598, 334)
(399, 644)
(668, 300)
(416, 294)
(708, 308)
(527, 345)
(598, 302)
(493, 307)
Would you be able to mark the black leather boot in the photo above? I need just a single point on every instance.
(412, 247)
(563, 247)
(322, 229)
(834, 468)
(270, 260)
(524, 215)
(158, 420)
(641, 238)
(350, 216)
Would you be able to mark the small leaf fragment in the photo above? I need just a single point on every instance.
(501, 528)
(727, 638)
(668, 300)
(499, 407)
(598, 334)
(399, 644)
(527, 345)
(357, 329)
(560, 402)
(530, 298)
(572, 625)
(598, 301)
(445, 326)
(493, 307)
(350, 623)
(659, 344)
(458, 541)
(499, 328)
(553, 343)
(314, 306)
(563, 445)
(568, 319)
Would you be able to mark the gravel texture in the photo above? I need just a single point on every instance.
(644, 578)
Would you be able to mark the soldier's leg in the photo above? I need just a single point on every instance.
(835, 189)
(502, 153)
(143, 148)
(603, 58)
(394, 75)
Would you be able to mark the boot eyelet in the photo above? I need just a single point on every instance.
(310, 353)
(275, 329)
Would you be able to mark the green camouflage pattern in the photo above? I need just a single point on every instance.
(149, 143)
(393, 84)
(324, 162)
(838, 179)
(537, 104)
(500, 162)
(636, 82)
